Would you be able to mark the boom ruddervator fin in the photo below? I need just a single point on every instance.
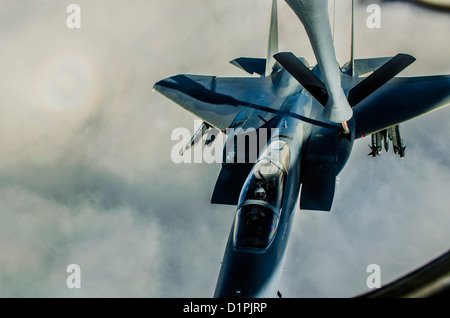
(303, 75)
(378, 78)
(358, 93)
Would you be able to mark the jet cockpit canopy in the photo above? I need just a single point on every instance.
(261, 198)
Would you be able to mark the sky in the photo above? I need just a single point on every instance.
(86, 175)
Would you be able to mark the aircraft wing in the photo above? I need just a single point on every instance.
(216, 100)
(399, 100)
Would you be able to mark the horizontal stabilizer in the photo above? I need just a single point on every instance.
(378, 78)
(364, 67)
(250, 65)
(303, 75)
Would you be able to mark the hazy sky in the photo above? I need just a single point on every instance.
(85, 170)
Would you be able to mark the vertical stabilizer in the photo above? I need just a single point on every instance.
(273, 39)
(352, 45)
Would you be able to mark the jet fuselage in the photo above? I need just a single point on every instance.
(254, 269)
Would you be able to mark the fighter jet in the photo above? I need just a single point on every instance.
(311, 117)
